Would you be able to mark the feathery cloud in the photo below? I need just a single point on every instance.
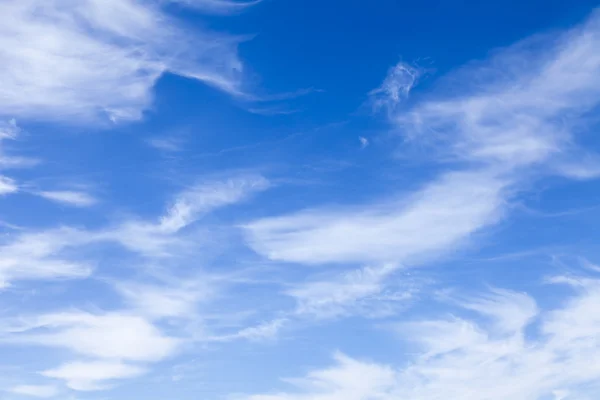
(433, 220)
(462, 358)
(197, 200)
(121, 342)
(396, 87)
(9, 130)
(101, 58)
(117, 343)
(168, 144)
(7, 185)
(40, 255)
(505, 122)
(69, 197)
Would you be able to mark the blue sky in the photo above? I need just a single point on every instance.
(299, 200)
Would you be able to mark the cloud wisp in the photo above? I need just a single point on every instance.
(69, 197)
(40, 391)
(218, 6)
(507, 121)
(396, 87)
(44, 253)
(102, 58)
(121, 342)
(488, 356)
(109, 298)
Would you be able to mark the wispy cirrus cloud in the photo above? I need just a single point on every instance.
(173, 298)
(505, 122)
(122, 341)
(86, 376)
(165, 283)
(432, 220)
(163, 237)
(7, 185)
(45, 252)
(358, 291)
(396, 87)
(102, 58)
(9, 130)
(168, 144)
(111, 345)
(40, 255)
(218, 6)
(69, 197)
(202, 198)
(437, 220)
(490, 356)
(113, 336)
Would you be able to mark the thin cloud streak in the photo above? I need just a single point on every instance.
(218, 6)
(69, 197)
(40, 391)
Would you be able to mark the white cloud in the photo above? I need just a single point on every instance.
(123, 342)
(43, 255)
(520, 108)
(164, 238)
(499, 128)
(7, 185)
(263, 331)
(358, 291)
(504, 122)
(32, 255)
(462, 358)
(582, 169)
(111, 336)
(364, 142)
(203, 198)
(116, 345)
(96, 375)
(166, 299)
(396, 87)
(438, 218)
(218, 6)
(9, 130)
(75, 61)
(509, 311)
(169, 144)
(69, 197)
(41, 391)
(349, 380)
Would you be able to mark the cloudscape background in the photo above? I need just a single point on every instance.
(299, 200)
